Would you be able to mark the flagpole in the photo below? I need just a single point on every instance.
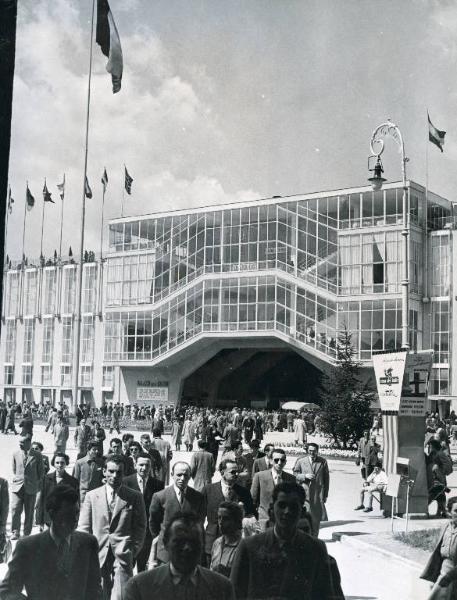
(83, 218)
(61, 221)
(123, 195)
(101, 231)
(42, 223)
(23, 228)
(5, 245)
(426, 215)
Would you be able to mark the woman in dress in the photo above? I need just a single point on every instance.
(441, 568)
(230, 521)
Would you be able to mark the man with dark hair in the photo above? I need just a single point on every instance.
(164, 449)
(202, 466)
(176, 498)
(264, 483)
(156, 459)
(143, 482)
(38, 447)
(264, 462)
(282, 562)
(116, 515)
(28, 473)
(251, 456)
(312, 471)
(50, 481)
(115, 449)
(89, 470)
(214, 494)
(127, 439)
(59, 563)
(182, 577)
(82, 437)
(61, 432)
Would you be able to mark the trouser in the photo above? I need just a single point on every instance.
(20, 501)
(290, 427)
(61, 448)
(114, 577)
(369, 491)
(10, 425)
(143, 555)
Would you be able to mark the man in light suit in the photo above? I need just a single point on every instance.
(164, 449)
(28, 472)
(115, 514)
(312, 471)
(143, 482)
(176, 498)
(226, 489)
(202, 466)
(264, 482)
(89, 470)
(59, 563)
(182, 577)
(283, 562)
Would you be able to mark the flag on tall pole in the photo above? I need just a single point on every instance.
(128, 182)
(30, 200)
(108, 39)
(47, 194)
(87, 189)
(436, 136)
(61, 188)
(104, 180)
(10, 201)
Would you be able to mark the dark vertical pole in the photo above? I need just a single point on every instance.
(8, 14)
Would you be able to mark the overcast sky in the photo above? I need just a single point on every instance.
(224, 100)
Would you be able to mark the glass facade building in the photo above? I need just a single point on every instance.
(295, 269)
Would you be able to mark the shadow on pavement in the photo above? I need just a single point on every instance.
(325, 524)
(361, 597)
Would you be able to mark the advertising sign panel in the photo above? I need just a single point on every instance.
(389, 368)
(415, 383)
(151, 393)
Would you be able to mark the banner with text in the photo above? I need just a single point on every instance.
(415, 383)
(389, 368)
(152, 393)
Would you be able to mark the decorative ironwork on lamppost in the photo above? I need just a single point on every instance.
(389, 129)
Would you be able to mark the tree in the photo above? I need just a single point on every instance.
(346, 400)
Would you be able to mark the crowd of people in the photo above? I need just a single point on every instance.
(123, 524)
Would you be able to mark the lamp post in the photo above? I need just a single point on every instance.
(389, 129)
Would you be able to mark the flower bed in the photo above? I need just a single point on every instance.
(324, 450)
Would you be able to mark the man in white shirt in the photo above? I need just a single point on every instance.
(376, 482)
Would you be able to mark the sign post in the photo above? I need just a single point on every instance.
(402, 382)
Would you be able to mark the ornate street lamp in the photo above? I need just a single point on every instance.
(384, 130)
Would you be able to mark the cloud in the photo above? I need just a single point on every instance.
(162, 125)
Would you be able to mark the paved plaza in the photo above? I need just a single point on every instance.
(366, 575)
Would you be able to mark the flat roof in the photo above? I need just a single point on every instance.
(276, 200)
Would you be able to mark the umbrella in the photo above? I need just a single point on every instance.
(293, 405)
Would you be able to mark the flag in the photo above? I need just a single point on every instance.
(435, 135)
(390, 453)
(87, 189)
(61, 188)
(104, 180)
(10, 201)
(108, 39)
(47, 194)
(30, 200)
(128, 182)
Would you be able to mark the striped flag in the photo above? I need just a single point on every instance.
(61, 188)
(128, 182)
(108, 39)
(104, 180)
(435, 135)
(30, 200)
(390, 430)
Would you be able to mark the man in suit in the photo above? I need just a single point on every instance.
(264, 482)
(89, 470)
(61, 432)
(283, 562)
(115, 514)
(115, 449)
(28, 472)
(264, 462)
(142, 482)
(59, 563)
(202, 466)
(164, 449)
(156, 459)
(226, 489)
(83, 435)
(182, 577)
(59, 461)
(176, 498)
(250, 458)
(312, 471)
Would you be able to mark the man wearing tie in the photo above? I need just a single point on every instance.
(313, 473)
(229, 489)
(89, 470)
(143, 482)
(178, 497)
(28, 473)
(116, 515)
(264, 483)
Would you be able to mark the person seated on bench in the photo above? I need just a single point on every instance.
(376, 482)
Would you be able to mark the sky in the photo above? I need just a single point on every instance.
(223, 101)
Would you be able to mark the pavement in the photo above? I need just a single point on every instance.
(367, 572)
